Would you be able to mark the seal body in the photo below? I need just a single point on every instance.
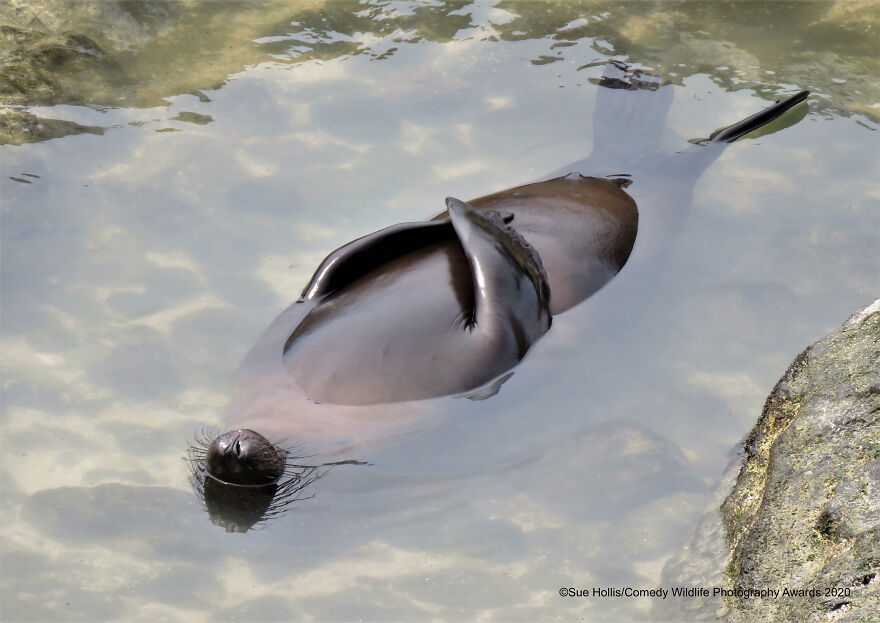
(450, 305)
(419, 310)
(443, 307)
(401, 332)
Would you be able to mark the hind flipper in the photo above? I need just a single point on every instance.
(630, 114)
(689, 164)
(758, 120)
(629, 120)
(358, 257)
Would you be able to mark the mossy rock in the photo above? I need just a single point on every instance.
(804, 513)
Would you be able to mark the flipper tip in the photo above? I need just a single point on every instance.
(456, 205)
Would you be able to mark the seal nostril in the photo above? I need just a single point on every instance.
(237, 447)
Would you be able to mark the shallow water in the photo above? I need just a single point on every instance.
(144, 255)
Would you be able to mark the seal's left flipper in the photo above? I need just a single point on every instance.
(353, 260)
(511, 294)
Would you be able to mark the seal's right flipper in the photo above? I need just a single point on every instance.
(511, 293)
(689, 163)
(759, 119)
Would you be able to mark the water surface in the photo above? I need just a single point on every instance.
(165, 196)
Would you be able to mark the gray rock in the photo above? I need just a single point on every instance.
(803, 518)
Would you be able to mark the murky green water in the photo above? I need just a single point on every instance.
(173, 173)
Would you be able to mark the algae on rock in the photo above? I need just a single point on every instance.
(803, 518)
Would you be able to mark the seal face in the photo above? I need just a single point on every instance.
(244, 457)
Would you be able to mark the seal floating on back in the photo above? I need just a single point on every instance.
(441, 307)
(449, 305)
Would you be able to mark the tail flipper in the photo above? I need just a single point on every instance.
(628, 122)
(668, 186)
(630, 114)
(749, 124)
(688, 164)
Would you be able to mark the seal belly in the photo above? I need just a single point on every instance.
(400, 332)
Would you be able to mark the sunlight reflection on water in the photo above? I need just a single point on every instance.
(140, 265)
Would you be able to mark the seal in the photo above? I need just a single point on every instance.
(450, 305)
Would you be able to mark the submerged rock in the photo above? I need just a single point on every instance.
(137, 53)
(19, 126)
(803, 518)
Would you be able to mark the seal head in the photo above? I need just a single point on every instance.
(244, 457)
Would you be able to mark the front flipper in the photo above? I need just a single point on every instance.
(358, 257)
(355, 259)
(511, 294)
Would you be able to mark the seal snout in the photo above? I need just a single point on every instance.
(235, 447)
(244, 457)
